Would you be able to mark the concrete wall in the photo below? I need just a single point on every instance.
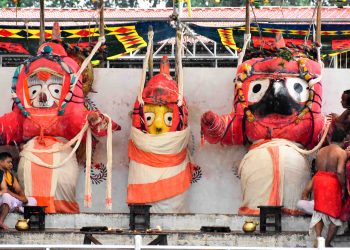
(218, 190)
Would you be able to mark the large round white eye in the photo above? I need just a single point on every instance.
(298, 89)
(34, 91)
(55, 90)
(149, 116)
(168, 118)
(257, 89)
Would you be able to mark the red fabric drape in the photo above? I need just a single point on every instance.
(327, 194)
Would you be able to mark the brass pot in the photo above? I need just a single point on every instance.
(250, 226)
(22, 225)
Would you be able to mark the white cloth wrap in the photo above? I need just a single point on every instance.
(167, 143)
(256, 173)
(64, 177)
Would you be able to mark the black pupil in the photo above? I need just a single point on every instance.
(148, 118)
(57, 90)
(257, 88)
(298, 88)
(170, 118)
(34, 91)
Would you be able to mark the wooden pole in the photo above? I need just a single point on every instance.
(177, 53)
(42, 22)
(247, 17)
(318, 22)
(150, 59)
(102, 28)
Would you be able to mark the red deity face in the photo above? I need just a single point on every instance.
(160, 114)
(46, 80)
(45, 89)
(277, 92)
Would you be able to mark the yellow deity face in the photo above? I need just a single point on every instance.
(159, 118)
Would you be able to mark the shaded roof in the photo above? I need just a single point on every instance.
(215, 14)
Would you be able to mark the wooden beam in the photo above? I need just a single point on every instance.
(318, 21)
(102, 24)
(150, 59)
(247, 17)
(42, 22)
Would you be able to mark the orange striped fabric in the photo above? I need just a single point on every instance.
(41, 178)
(155, 160)
(160, 190)
(165, 186)
(274, 199)
(54, 206)
(41, 182)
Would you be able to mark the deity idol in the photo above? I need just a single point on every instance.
(48, 111)
(277, 112)
(160, 168)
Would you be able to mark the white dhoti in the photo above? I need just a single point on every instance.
(272, 174)
(326, 219)
(14, 203)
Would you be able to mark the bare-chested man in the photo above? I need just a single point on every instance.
(328, 184)
(343, 121)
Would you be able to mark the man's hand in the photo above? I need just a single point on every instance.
(304, 197)
(331, 117)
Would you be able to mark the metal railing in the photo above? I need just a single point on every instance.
(138, 246)
(196, 54)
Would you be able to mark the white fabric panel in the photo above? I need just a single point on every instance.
(143, 174)
(166, 143)
(176, 204)
(256, 172)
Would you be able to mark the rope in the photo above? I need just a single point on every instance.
(247, 38)
(241, 55)
(257, 24)
(312, 82)
(109, 165)
(87, 195)
(77, 140)
(145, 66)
(179, 37)
(311, 24)
(88, 59)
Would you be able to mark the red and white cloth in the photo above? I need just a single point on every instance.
(159, 169)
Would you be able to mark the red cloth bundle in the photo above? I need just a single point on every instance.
(345, 212)
(327, 193)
